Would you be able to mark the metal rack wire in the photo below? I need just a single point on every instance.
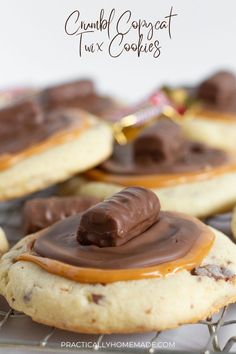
(47, 345)
(49, 341)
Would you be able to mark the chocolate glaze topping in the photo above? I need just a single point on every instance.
(155, 151)
(40, 213)
(170, 238)
(25, 124)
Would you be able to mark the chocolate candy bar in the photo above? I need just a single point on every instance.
(158, 142)
(79, 94)
(93, 103)
(43, 212)
(59, 95)
(17, 120)
(120, 218)
(218, 89)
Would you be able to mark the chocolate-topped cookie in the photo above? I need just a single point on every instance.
(187, 176)
(211, 115)
(39, 148)
(173, 270)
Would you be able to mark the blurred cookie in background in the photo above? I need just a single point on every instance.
(209, 109)
(188, 176)
(40, 148)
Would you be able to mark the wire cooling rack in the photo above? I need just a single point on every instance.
(48, 339)
(18, 333)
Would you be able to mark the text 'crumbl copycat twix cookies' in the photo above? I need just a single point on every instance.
(39, 148)
(122, 266)
(188, 176)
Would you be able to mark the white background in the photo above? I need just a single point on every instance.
(34, 48)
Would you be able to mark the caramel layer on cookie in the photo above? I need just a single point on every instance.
(160, 180)
(160, 156)
(176, 242)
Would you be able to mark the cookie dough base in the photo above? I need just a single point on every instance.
(198, 199)
(57, 164)
(121, 307)
(217, 133)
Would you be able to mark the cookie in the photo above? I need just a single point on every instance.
(162, 303)
(210, 128)
(188, 177)
(50, 153)
(83, 273)
(199, 198)
(212, 116)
